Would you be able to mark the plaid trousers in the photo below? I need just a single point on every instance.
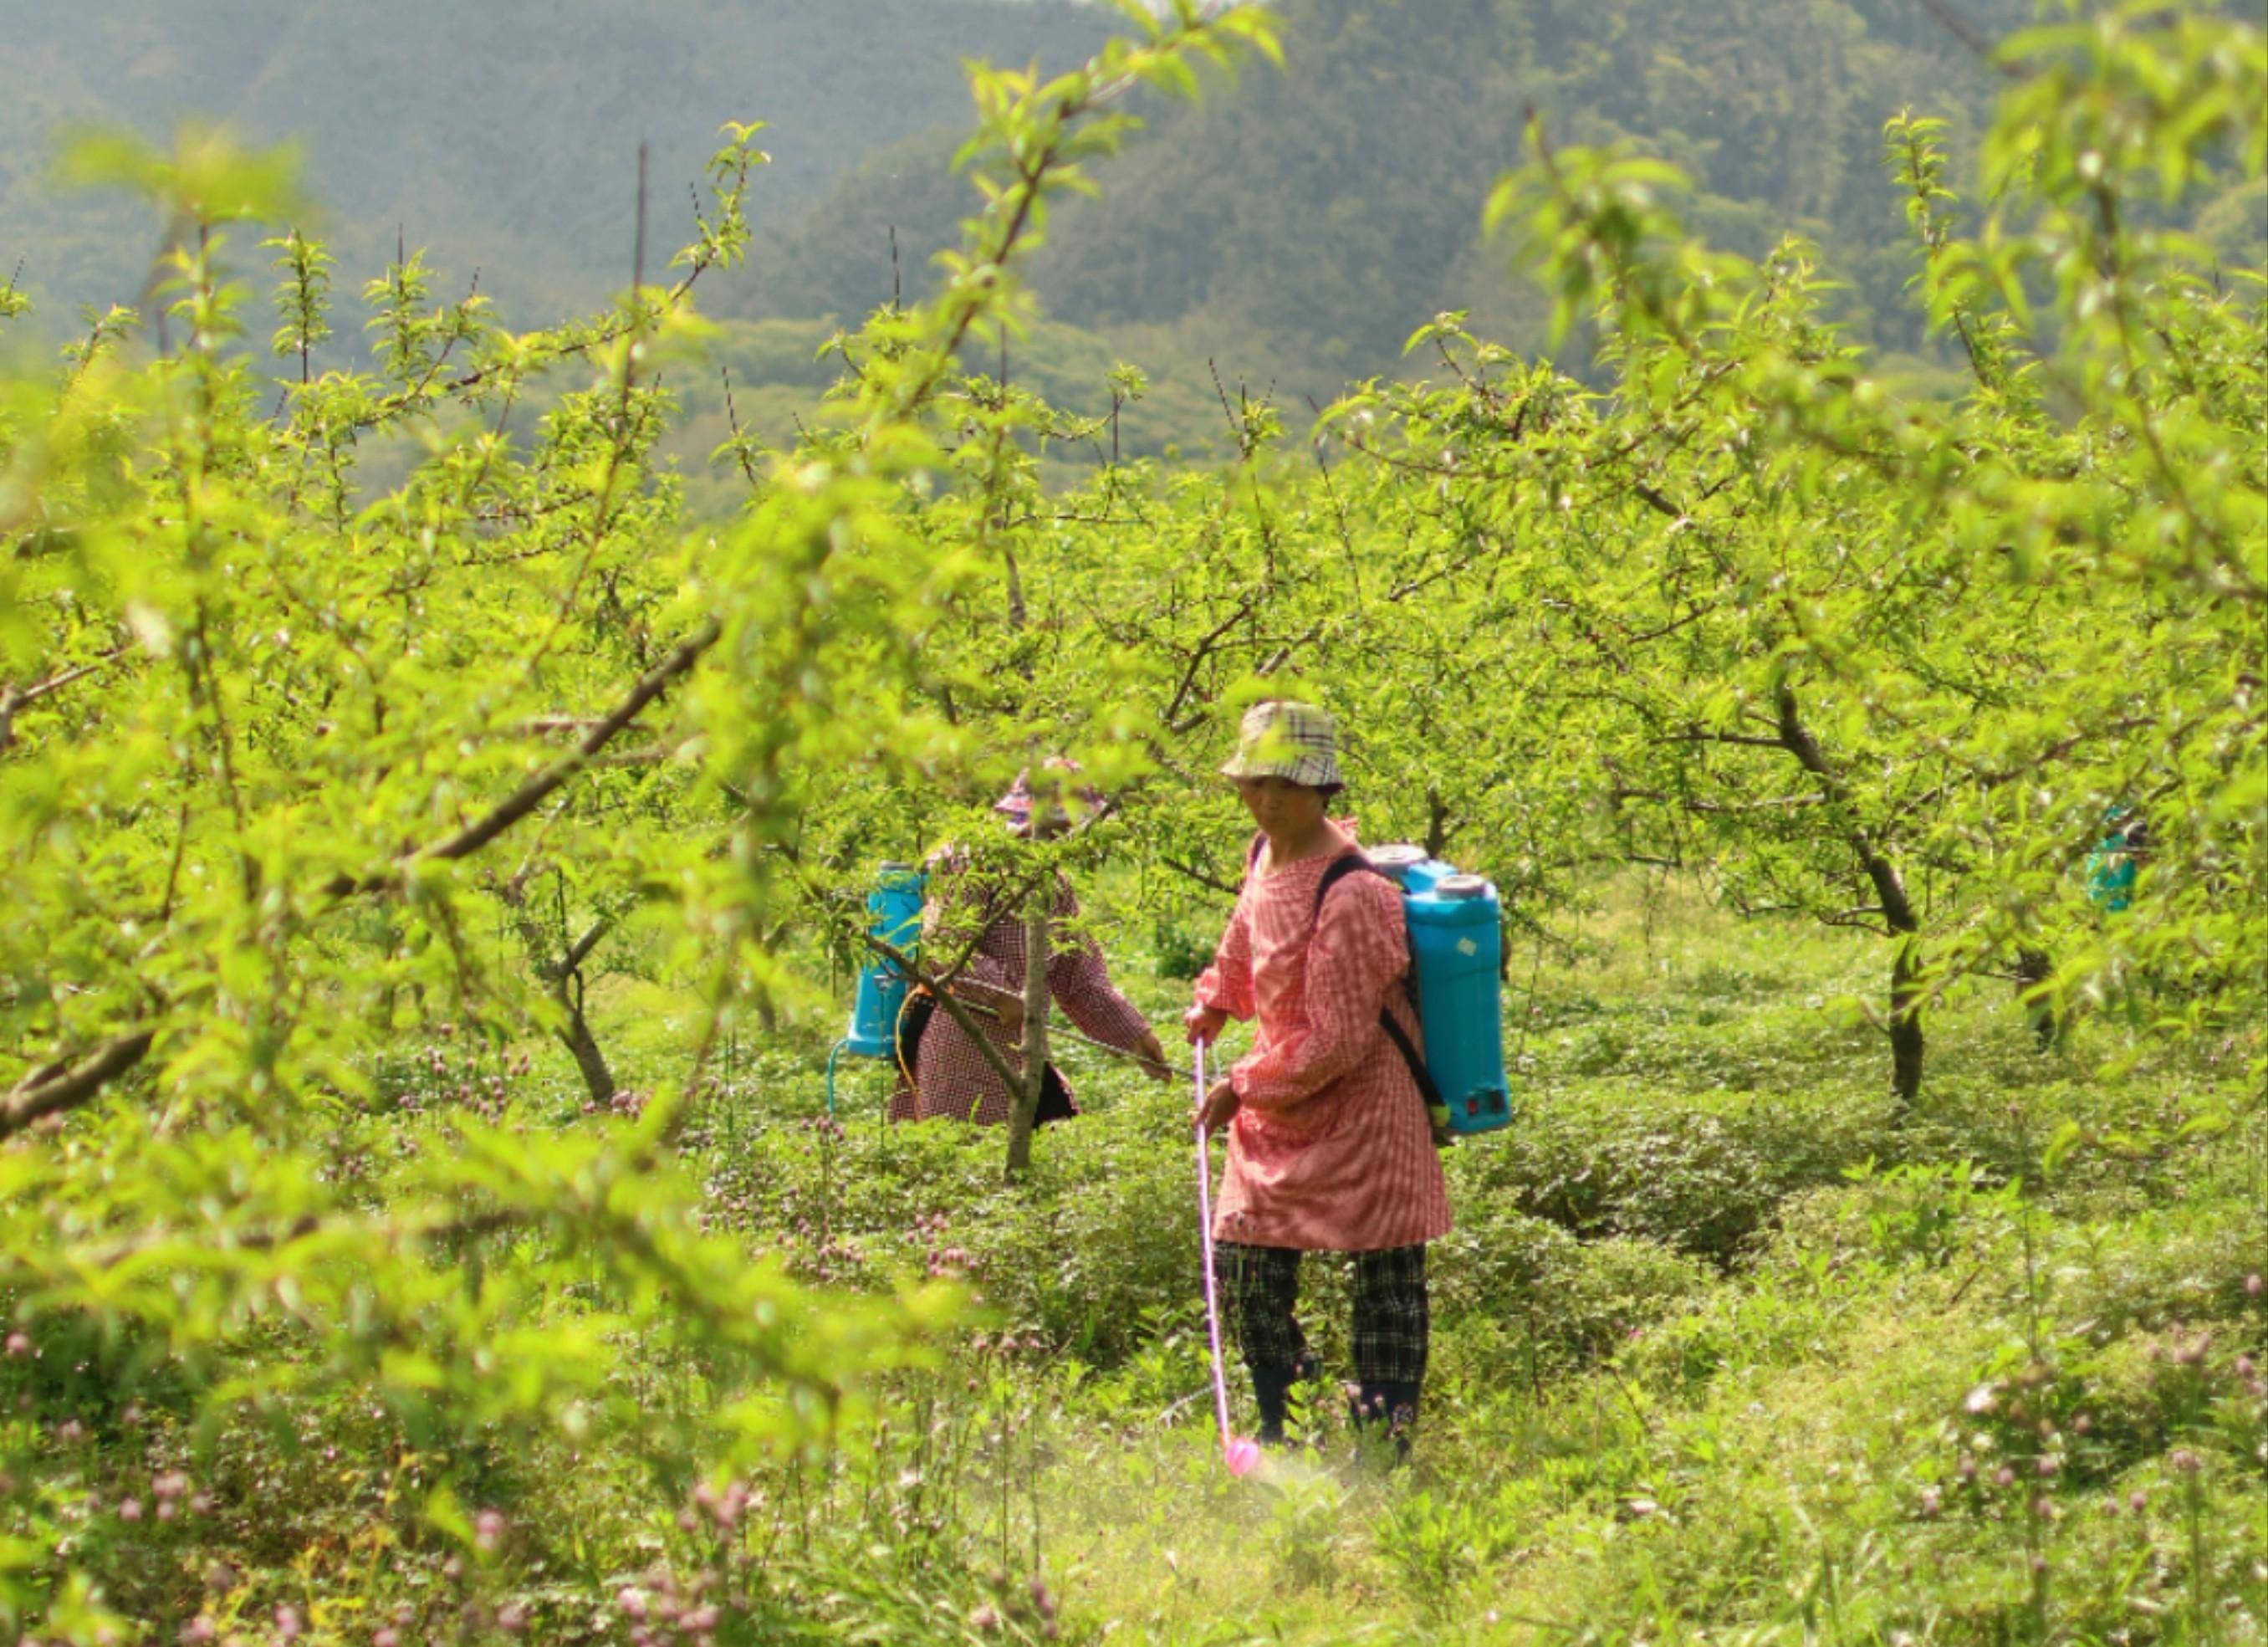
(1393, 1317)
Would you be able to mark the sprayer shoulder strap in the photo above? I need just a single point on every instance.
(1338, 869)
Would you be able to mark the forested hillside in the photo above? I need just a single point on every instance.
(501, 135)
(1289, 236)
(1298, 230)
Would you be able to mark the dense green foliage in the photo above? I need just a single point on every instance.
(369, 737)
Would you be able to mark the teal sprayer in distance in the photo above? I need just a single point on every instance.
(1456, 947)
(893, 917)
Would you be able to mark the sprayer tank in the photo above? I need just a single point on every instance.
(893, 917)
(1456, 944)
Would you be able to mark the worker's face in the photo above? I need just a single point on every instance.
(1282, 808)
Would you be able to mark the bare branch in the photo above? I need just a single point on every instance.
(50, 1092)
(269, 1238)
(940, 990)
(1192, 872)
(579, 951)
(1971, 37)
(1698, 736)
(16, 699)
(531, 794)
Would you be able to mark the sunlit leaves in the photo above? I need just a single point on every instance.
(209, 177)
(1998, 618)
(303, 297)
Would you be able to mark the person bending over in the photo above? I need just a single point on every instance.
(950, 1076)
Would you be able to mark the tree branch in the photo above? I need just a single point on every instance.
(531, 794)
(1699, 736)
(16, 699)
(1890, 886)
(579, 951)
(1192, 872)
(1967, 33)
(267, 1238)
(53, 1089)
(940, 990)
(49, 1091)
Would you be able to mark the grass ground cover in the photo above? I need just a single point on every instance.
(1726, 1349)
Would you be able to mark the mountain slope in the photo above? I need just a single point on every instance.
(501, 136)
(1299, 227)
(1287, 233)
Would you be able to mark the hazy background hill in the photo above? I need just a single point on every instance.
(500, 133)
(1298, 229)
(1291, 232)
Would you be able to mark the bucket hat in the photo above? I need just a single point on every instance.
(1283, 739)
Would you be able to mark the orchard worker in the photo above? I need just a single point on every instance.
(947, 1073)
(1329, 1146)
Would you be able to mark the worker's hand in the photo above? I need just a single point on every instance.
(1004, 1009)
(1151, 1053)
(1202, 1024)
(1219, 1106)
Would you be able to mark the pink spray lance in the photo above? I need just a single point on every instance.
(1241, 1456)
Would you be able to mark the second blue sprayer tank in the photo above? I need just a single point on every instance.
(894, 911)
(1456, 944)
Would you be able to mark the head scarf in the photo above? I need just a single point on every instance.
(1016, 805)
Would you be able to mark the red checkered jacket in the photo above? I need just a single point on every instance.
(953, 1076)
(1332, 1149)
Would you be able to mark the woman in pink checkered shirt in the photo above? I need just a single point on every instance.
(1329, 1146)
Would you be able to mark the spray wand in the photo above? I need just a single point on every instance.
(1241, 1456)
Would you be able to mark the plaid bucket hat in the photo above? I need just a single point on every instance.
(1283, 739)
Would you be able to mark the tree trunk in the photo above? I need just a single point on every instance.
(2033, 969)
(1907, 990)
(1907, 1043)
(1025, 1114)
(583, 1046)
(564, 978)
(762, 998)
(389, 992)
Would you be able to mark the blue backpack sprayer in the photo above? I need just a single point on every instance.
(888, 1017)
(894, 911)
(2115, 863)
(1456, 976)
(1456, 962)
